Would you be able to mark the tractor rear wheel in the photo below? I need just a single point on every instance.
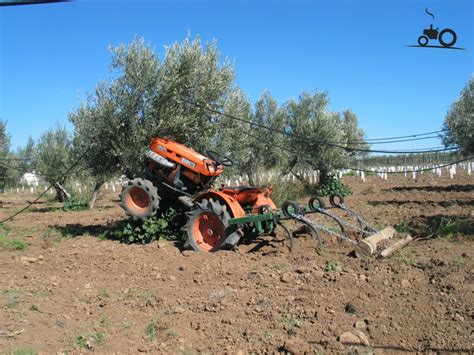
(208, 227)
(139, 199)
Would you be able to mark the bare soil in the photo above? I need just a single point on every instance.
(72, 291)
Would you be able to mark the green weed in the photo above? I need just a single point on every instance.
(76, 204)
(165, 226)
(292, 322)
(444, 227)
(151, 330)
(13, 297)
(331, 187)
(332, 266)
(24, 352)
(7, 241)
(458, 261)
(81, 342)
(403, 227)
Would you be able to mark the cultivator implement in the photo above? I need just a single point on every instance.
(343, 227)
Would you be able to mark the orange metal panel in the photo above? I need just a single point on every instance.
(185, 156)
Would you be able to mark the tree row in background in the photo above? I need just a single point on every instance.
(148, 96)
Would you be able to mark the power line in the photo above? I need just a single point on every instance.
(393, 141)
(383, 171)
(309, 139)
(407, 136)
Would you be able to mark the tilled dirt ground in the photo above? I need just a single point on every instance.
(71, 291)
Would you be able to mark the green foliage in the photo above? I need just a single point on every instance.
(8, 241)
(459, 121)
(288, 190)
(403, 226)
(149, 97)
(332, 266)
(24, 352)
(13, 297)
(87, 341)
(145, 98)
(76, 204)
(53, 153)
(444, 227)
(332, 186)
(165, 226)
(292, 322)
(81, 342)
(151, 330)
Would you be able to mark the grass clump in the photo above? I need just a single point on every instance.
(444, 227)
(403, 227)
(7, 241)
(24, 352)
(151, 330)
(89, 341)
(12, 296)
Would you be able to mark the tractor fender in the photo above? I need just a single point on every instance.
(233, 206)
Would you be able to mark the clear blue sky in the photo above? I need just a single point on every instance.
(52, 55)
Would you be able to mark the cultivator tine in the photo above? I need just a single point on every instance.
(290, 236)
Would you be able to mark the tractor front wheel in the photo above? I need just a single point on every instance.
(139, 199)
(423, 41)
(208, 227)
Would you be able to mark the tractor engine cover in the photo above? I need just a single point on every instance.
(181, 155)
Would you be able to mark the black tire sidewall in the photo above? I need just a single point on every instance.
(453, 41)
(423, 37)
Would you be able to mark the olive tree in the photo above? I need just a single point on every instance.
(150, 97)
(459, 122)
(54, 159)
(5, 171)
(319, 137)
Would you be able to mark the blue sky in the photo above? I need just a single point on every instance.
(52, 55)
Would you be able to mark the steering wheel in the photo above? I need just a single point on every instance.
(219, 159)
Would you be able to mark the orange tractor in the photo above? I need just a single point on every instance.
(181, 175)
(218, 218)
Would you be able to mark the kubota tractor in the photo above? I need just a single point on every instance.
(178, 174)
(219, 217)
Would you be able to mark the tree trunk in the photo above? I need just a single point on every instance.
(251, 179)
(61, 194)
(323, 176)
(96, 193)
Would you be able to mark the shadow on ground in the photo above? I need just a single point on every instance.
(445, 203)
(442, 225)
(450, 188)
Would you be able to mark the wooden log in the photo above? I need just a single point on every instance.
(368, 246)
(395, 246)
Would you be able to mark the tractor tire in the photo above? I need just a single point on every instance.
(208, 228)
(139, 199)
(423, 41)
(450, 43)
